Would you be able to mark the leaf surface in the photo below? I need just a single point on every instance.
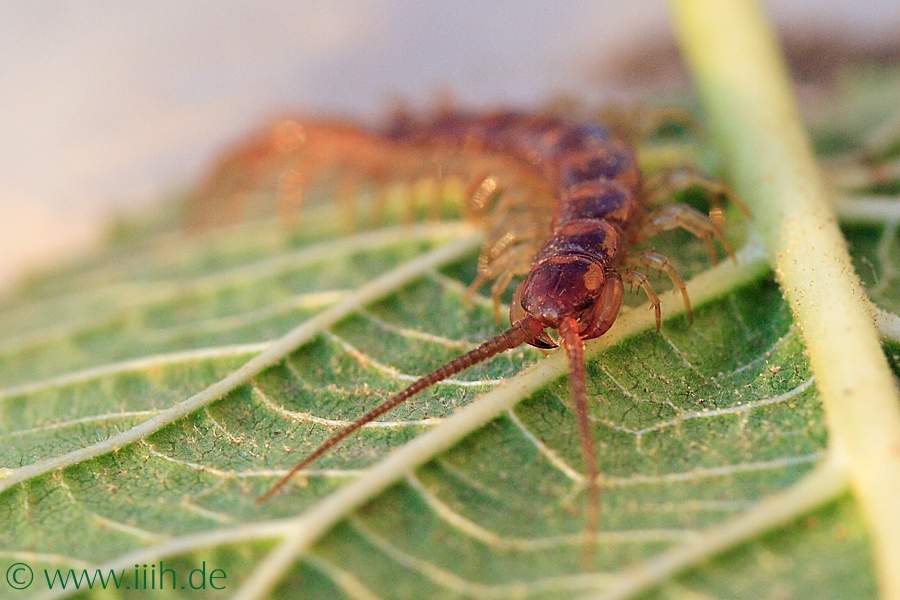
(696, 425)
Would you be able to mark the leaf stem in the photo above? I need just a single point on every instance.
(742, 78)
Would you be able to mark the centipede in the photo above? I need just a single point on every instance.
(564, 205)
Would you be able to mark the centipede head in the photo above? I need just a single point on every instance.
(568, 286)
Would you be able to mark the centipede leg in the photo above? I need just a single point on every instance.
(682, 216)
(502, 272)
(635, 277)
(480, 195)
(487, 272)
(491, 252)
(667, 183)
(497, 289)
(654, 260)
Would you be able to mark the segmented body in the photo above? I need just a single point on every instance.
(563, 202)
(528, 176)
(595, 216)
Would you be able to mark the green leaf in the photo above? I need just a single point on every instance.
(151, 393)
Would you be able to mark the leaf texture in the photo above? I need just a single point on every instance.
(696, 425)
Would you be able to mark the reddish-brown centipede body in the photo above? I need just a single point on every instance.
(563, 202)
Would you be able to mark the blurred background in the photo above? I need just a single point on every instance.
(108, 106)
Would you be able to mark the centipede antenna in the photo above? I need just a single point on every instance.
(523, 331)
(574, 345)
